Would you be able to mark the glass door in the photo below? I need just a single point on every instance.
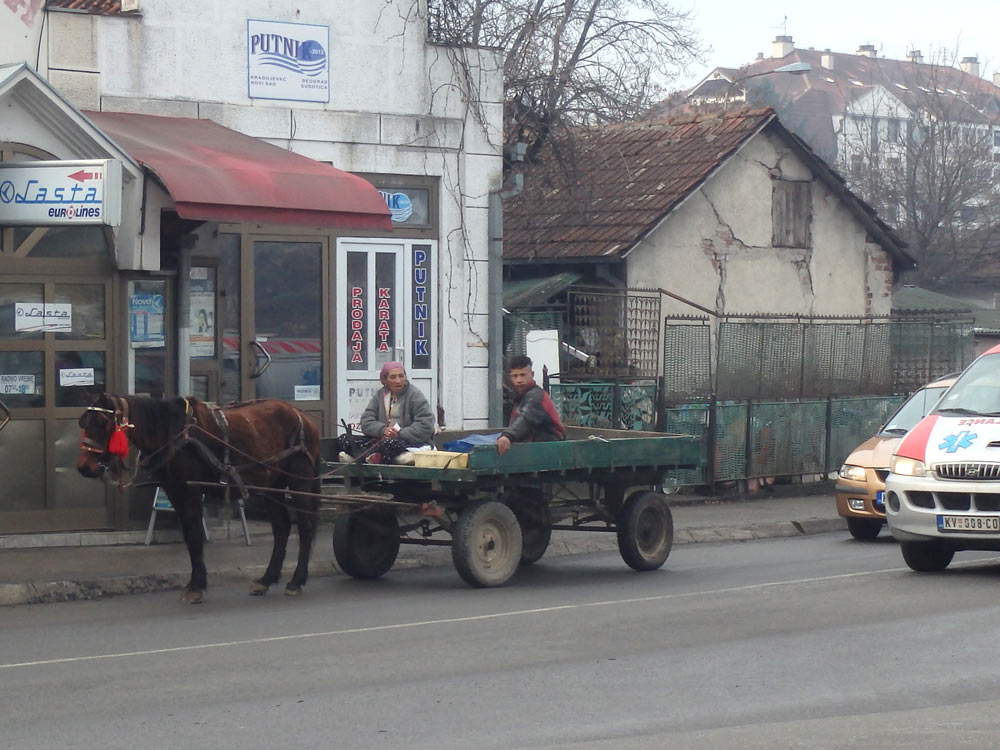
(385, 294)
(284, 352)
(55, 350)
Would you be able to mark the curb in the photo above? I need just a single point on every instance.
(12, 594)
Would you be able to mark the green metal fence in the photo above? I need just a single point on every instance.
(620, 406)
(740, 439)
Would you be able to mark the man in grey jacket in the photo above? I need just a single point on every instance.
(398, 412)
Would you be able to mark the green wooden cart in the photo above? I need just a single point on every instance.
(500, 511)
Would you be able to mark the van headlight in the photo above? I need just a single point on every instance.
(907, 467)
(855, 473)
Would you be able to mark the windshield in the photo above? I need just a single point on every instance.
(977, 391)
(913, 410)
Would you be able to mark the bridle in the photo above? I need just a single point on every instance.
(117, 418)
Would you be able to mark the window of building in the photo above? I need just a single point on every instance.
(856, 162)
(791, 214)
(996, 138)
(892, 130)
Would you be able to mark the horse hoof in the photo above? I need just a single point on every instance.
(289, 591)
(191, 596)
(258, 589)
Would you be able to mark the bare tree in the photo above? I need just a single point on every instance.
(572, 62)
(922, 156)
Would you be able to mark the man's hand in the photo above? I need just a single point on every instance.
(503, 444)
(391, 431)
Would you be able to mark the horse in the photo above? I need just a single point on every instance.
(265, 443)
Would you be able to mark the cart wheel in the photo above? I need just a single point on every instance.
(366, 543)
(534, 543)
(486, 544)
(532, 513)
(645, 530)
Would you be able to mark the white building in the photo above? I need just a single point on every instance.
(240, 132)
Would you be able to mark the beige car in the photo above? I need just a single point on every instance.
(860, 487)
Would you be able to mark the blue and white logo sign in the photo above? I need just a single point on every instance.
(399, 205)
(288, 61)
(48, 193)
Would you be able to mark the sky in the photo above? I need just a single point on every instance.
(738, 29)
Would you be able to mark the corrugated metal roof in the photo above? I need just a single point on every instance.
(908, 298)
(600, 195)
(531, 292)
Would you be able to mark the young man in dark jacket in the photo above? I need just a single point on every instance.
(534, 417)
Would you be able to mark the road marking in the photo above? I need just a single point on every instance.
(471, 618)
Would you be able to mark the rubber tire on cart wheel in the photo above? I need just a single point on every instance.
(486, 544)
(645, 530)
(532, 513)
(366, 543)
(926, 557)
(864, 528)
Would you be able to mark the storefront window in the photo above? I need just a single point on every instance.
(72, 242)
(148, 337)
(79, 377)
(225, 277)
(202, 312)
(13, 298)
(22, 379)
(87, 308)
(288, 313)
(23, 444)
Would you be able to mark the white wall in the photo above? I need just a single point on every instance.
(715, 250)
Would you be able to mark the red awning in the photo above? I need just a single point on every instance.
(217, 174)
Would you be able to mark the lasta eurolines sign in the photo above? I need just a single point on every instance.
(46, 193)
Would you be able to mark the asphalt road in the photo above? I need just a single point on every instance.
(808, 642)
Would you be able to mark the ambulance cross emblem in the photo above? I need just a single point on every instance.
(952, 443)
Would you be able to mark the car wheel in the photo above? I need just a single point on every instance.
(926, 557)
(864, 528)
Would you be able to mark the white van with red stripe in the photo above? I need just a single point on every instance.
(943, 491)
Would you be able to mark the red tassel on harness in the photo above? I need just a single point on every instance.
(118, 443)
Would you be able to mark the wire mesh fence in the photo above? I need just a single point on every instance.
(621, 329)
(761, 359)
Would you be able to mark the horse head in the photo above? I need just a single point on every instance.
(103, 445)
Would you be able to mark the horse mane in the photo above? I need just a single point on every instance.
(156, 420)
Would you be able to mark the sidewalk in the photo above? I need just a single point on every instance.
(105, 564)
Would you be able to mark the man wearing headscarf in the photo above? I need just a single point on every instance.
(398, 416)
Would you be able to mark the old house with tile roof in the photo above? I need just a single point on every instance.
(727, 214)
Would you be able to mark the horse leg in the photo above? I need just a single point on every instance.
(281, 526)
(307, 520)
(188, 505)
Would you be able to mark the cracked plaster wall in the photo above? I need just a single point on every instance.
(715, 250)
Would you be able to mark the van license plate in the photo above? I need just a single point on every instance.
(969, 524)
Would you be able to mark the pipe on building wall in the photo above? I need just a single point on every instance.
(495, 298)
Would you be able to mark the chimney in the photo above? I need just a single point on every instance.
(760, 56)
(915, 56)
(866, 50)
(996, 79)
(782, 45)
(826, 59)
(970, 65)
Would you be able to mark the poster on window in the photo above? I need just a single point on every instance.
(146, 321)
(32, 317)
(202, 324)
